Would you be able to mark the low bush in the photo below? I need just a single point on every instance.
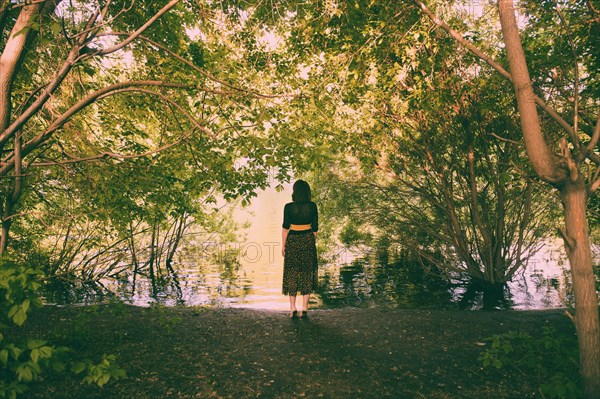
(549, 360)
(26, 360)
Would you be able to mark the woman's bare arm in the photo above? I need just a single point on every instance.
(284, 234)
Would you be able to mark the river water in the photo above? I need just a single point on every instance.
(252, 277)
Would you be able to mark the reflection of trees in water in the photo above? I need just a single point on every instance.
(166, 287)
(478, 294)
(197, 280)
(563, 286)
(372, 280)
(156, 286)
(406, 282)
(231, 285)
(63, 291)
(216, 275)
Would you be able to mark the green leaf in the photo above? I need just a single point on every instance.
(78, 367)
(15, 352)
(13, 310)
(22, 31)
(4, 356)
(25, 305)
(45, 351)
(35, 343)
(58, 366)
(116, 372)
(20, 317)
(103, 380)
(35, 355)
(44, 41)
(24, 372)
(55, 27)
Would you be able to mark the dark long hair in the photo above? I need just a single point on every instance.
(301, 191)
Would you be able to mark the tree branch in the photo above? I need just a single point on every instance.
(490, 61)
(43, 97)
(544, 161)
(197, 69)
(193, 120)
(27, 3)
(111, 155)
(595, 136)
(504, 139)
(8, 164)
(576, 78)
(10, 57)
(138, 32)
(72, 58)
(485, 247)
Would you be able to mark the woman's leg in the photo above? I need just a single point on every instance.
(292, 303)
(305, 302)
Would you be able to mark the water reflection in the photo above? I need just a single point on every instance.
(475, 294)
(364, 282)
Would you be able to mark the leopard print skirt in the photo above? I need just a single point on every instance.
(300, 268)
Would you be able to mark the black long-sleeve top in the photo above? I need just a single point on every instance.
(301, 213)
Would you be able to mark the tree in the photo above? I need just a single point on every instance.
(460, 204)
(110, 81)
(438, 154)
(566, 172)
(442, 182)
(367, 33)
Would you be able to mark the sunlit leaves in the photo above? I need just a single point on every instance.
(99, 373)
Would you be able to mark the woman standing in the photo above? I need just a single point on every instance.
(300, 226)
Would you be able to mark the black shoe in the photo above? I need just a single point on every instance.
(294, 315)
(304, 314)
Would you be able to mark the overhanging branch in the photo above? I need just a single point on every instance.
(108, 154)
(8, 164)
(138, 32)
(196, 68)
(595, 136)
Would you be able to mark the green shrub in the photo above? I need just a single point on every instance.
(551, 360)
(101, 372)
(25, 360)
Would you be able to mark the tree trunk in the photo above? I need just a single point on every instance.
(11, 56)
(10, 60)
(563, 174)
(4, 8)
(577, 244)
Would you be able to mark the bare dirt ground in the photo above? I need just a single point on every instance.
(240, 353)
